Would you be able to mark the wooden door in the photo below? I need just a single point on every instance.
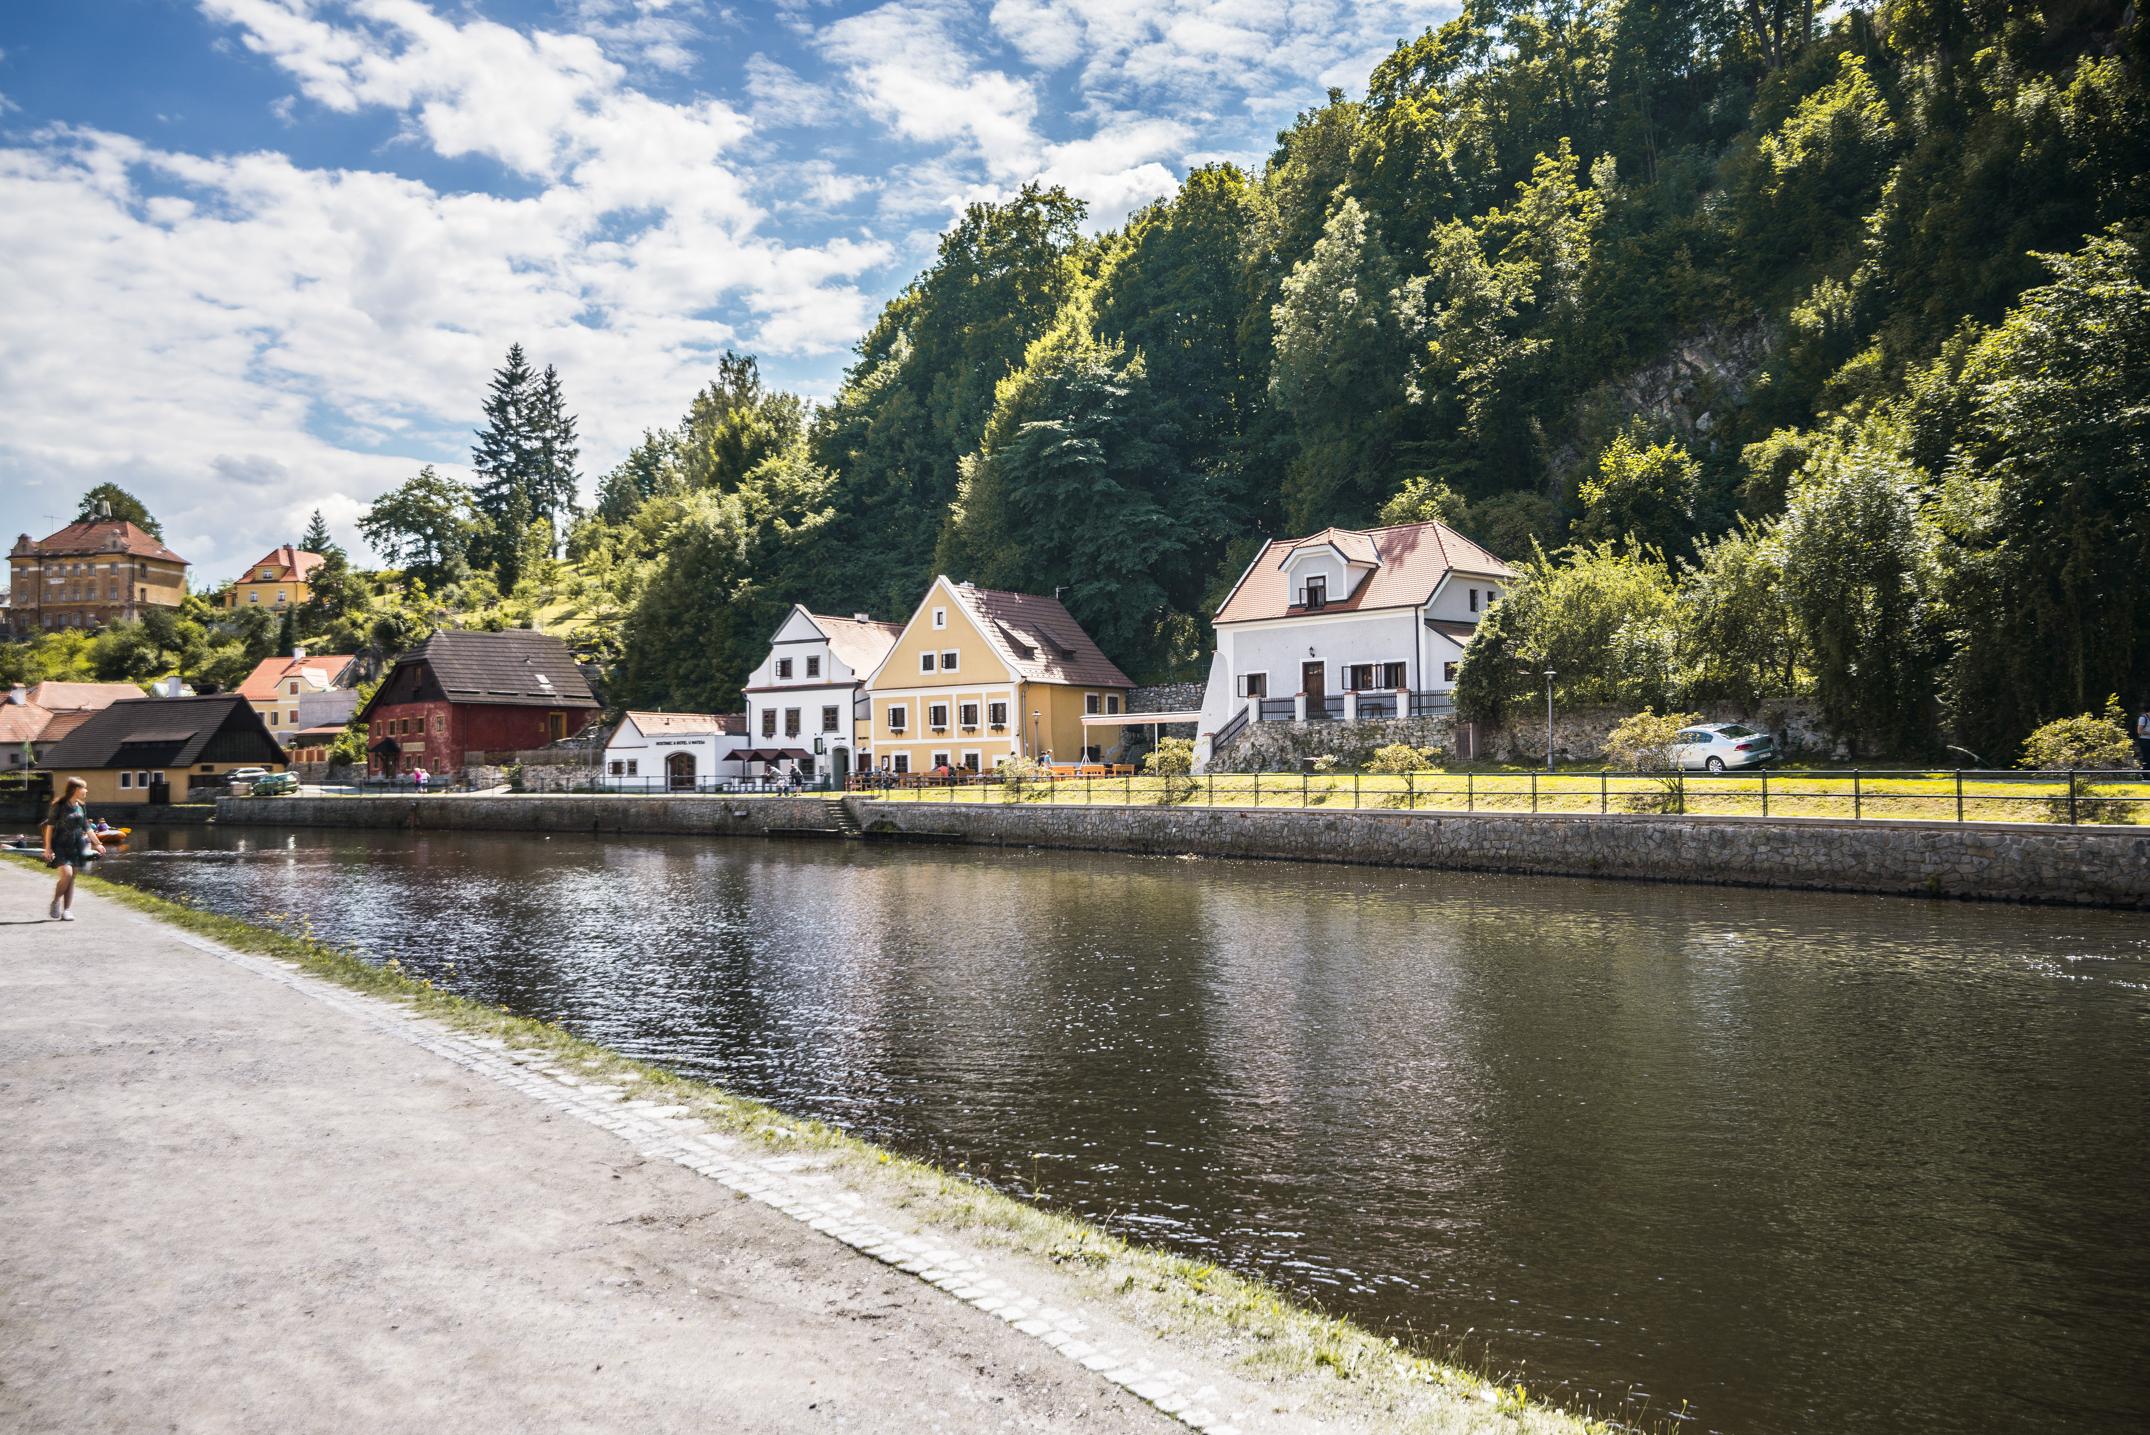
(1311, 677)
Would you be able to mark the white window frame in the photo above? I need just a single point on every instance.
(940, 617)
(937, 717)
(1246, 684)
(900, 763)
(899, 717)
(783, 670)
(126, 782)
(949, 659)
(967, 716)
(925, 661)
(1093, 704)
(973, 760)
(940, 759)
(1002, 721)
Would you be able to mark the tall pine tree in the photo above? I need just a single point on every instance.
(552, 436)
(507, 463)
(316, 538)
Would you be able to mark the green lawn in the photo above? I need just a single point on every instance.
(1930, 796)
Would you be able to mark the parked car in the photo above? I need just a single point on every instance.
(1722, 747)
(246, 774)
(275, 784)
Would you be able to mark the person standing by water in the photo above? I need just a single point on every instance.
(2142, 738)
(70, 844)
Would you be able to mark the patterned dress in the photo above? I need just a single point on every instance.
(71, 837)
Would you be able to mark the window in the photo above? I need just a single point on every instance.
(618, 767)
(783, 667)
(279, 595)
(126, 781)
(1092, 704)
(899, 717)
(1448, 672)
(948, 661)
(292, 687)
(813, 667)
(940, 617)
(996, 715)
(272, 717)
(253, 596)
(968, 714)
(1474, 600)
(440, 724)
(901, 762)
(828, 719)
(937, 717)
(768, 722)
(1359, 676)
(1093, 753)
(268, 575)
(940, 759)
(1392, 675)
(634, 767)
(925, 662)
(1317, 593)
(791, 722)
(1254, 685)
(1112, 702)
(141, 779)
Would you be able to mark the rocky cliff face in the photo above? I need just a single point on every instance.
(1693, 392)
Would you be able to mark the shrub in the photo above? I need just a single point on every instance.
(1172, 763)
(1643, 743)
(2083, 743)
(1399, 758)
(1025, 779)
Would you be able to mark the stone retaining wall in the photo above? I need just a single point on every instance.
(560, 812)
(2088, 866)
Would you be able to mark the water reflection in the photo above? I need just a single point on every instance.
(1800, 1161)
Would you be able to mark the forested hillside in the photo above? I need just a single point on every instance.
(1814, 357)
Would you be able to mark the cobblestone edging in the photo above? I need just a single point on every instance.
(659, 1131)
(2086, 866)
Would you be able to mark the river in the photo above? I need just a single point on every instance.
(1766, 1161)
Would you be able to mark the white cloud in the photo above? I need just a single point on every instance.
(241, 339)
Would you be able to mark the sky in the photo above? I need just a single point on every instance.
(258, 257)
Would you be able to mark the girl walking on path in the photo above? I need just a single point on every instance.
(70, 843)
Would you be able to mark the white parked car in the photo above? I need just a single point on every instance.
(247, 775)
(1721, 747)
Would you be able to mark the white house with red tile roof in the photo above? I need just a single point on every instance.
(675, 752)
(1344, 625)
(811, 690)
(303, 690)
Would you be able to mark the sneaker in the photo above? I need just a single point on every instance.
(56, 909)
(67, 914)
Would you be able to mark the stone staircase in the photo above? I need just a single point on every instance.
(842, 818)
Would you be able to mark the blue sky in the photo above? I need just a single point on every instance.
(258, 256)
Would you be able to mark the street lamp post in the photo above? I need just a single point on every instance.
(1548, 719)
(1035, 752)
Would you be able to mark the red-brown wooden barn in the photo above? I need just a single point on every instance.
(461, 693)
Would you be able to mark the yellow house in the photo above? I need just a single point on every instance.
(279, 581)
(979, 676)
(157, 750)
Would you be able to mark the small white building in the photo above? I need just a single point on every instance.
(806, 703)
(675, 752)
(1346, 625)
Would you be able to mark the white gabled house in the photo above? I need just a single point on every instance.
(1346, 625)
(807, 700)
(675, 752)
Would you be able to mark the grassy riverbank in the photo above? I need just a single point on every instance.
(1317, 1365)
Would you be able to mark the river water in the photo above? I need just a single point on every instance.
(1782, 1162)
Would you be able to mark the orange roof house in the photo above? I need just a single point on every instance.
(1346, 625)
(281, 579)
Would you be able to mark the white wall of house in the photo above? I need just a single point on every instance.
(802, 684)
(637, 762)
(1322, 562)
(1454, 598)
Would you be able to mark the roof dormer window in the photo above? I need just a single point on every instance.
(1315, 595)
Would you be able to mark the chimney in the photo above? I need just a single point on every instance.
(861, 618)
(19, 695)
(298, 655)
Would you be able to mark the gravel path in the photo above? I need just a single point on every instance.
(234, 1198)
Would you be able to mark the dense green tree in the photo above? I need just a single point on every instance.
(2049, 515)
(1603, 620)
(109, 500)
(1860, 580)
(1738, 641)
(425, 527)
(917, 399)
(1644, 493)
(1078, 485)
(734, 425)
(1339, 371)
